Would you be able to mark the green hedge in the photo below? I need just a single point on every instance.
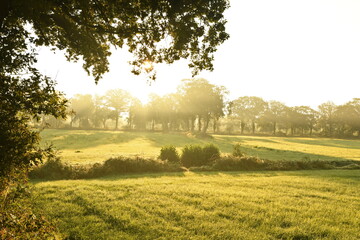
(193, 158)
(196, 156)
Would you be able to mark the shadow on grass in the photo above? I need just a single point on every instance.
(339, 175)
(241, 138)
(333, 175)
(278, 154)
(80, 139)
(339, 143)
(116, 177)
(123, 225)
(135, 176)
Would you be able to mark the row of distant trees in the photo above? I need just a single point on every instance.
(254, 114)
(199, 106)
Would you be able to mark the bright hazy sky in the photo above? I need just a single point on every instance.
(297, 52)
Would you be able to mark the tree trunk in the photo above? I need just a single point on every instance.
(242, 126)
(187, 124)
(253, 126)
(330, 129)
(199, 123)
(192, 122)
(215, 125)
(165, 126)
(116, 121)
(206, 124)
(274, 128)
(130, 122)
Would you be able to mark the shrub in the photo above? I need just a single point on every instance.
(17, 219)
(195, 156)
(231, 163)
(125, 165)
(132, 165)
(237, 150)
(211, 153)
(192, 156)
(55, 169)
(169, 153)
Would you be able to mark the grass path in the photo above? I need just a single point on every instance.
(267, 205)
(90, 146)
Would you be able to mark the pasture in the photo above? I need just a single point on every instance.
(90, 146)
(267, 205)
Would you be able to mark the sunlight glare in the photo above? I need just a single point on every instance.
(148, 66)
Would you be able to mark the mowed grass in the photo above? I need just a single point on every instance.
(90, 146)
(266, 205)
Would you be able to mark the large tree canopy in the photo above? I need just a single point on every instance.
(156, 31)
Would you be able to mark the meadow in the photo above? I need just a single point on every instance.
(253, 205)
(91, 146)
(316, 204)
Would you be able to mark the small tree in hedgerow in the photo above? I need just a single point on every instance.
(196, 156)
(169, 153)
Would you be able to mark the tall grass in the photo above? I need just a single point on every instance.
(268, 205)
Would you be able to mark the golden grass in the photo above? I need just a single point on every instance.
(90, 146)
(267, 205)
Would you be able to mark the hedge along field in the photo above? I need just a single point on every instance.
(90, 146)
(268, 205)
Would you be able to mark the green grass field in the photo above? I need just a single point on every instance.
(90, 146)
(267, 205)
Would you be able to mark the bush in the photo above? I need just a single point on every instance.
(169, 153)
(195, 156)
(192, 156)
(237, 150)
(231, 163)
(211, 153)
(55, 169)
(132, 165)
(52, 169)
(299, 165)
(17, 219)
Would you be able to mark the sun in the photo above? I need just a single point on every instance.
(148, 65)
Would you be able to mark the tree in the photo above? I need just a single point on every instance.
(274, 114)
(248, 109)
(347, 118)
(326, 117)
(162, 110)
(24, 94)
(101, 112)
(87, 28)
(202, 101)
(83, 107)
(308, 118)
(20, 100)
(119, 101)
(137, 115)
(354, 120)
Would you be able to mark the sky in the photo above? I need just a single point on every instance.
(296, 52)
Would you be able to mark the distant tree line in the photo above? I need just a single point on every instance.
(254, 115)
(199, 106)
